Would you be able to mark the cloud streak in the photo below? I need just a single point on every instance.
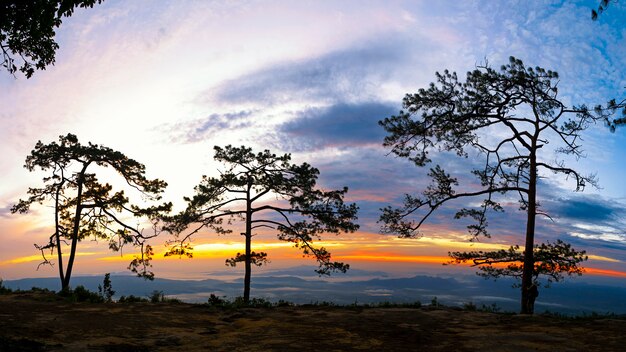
(202, 129)
(336, 126)
(345, 75)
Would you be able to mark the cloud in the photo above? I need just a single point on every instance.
(340, 125)
(349, 74)
(201, 129)
(587, 221)
(5, 211)
(588, 208)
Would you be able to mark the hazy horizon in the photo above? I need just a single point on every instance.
(164, 82)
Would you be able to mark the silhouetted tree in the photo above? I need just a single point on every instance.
(551, 260)
(265, 191)
(86, 208)
(507, 116)
(106, 289)
(27, 31)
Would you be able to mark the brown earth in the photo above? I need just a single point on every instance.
(42, 322)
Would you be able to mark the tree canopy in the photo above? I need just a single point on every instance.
(84, 207)
(27, 30)
(506, 117)
(267, 193)
(552, 260)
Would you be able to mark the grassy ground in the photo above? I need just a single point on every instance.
(40, 321)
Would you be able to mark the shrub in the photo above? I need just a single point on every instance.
(131, 299)
(159, 297)
(434, 302)
(283, 303)
(238, 302)
(4, 290)
(387, 304)
(81, 294)
(470, 306)
(40, 290)
(106, 289)
(492, 308)
(216, 301)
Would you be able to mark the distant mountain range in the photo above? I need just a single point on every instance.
(568, 297)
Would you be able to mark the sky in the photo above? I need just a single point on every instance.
(165, 81)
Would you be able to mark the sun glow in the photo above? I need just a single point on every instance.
(38, 257)
(604, 272)
(389, 257)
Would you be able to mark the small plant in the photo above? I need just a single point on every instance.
(283, 303)
(216, 301)
(81, 294)
(40, 290)
(106, 290)
(434, 302)
(239, 302)
(492, 308)
(131, 299)
(469, 306)
(253, 303)
(159, 297)
(3, 289)
(323, 304)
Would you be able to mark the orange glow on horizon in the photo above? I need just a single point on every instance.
(604, 272)
(361, 247)
(38, 257)
(426, 259)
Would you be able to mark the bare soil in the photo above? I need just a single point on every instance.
(43, 322)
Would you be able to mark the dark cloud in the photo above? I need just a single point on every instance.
(200, 129)
(587, 208)
(585, 220)
(340, 125)
(336, 76)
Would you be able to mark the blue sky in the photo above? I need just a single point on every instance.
(165, 81)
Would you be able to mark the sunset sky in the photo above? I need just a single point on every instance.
(165, 81)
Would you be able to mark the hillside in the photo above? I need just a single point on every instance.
(44, 322)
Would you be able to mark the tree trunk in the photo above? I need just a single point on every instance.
(75, 230)
(529, 260)
(57, 235)
(248, 261)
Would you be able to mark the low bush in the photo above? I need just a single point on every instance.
(132, 299)
(4, 290)
(159, 297)
(81, 294)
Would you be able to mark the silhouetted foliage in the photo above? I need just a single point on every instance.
(86, 208)
(265, 191)
(81, 294)
(27, 30)
(552, 260)
(604, 4)
(132, 299)
(612, 106)
(216, 301)
(106, 289)
(4, 290)
(507, 116)
(159, 297)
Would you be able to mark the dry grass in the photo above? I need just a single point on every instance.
(41, 322)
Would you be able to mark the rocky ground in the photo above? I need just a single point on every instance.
(32, 321)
